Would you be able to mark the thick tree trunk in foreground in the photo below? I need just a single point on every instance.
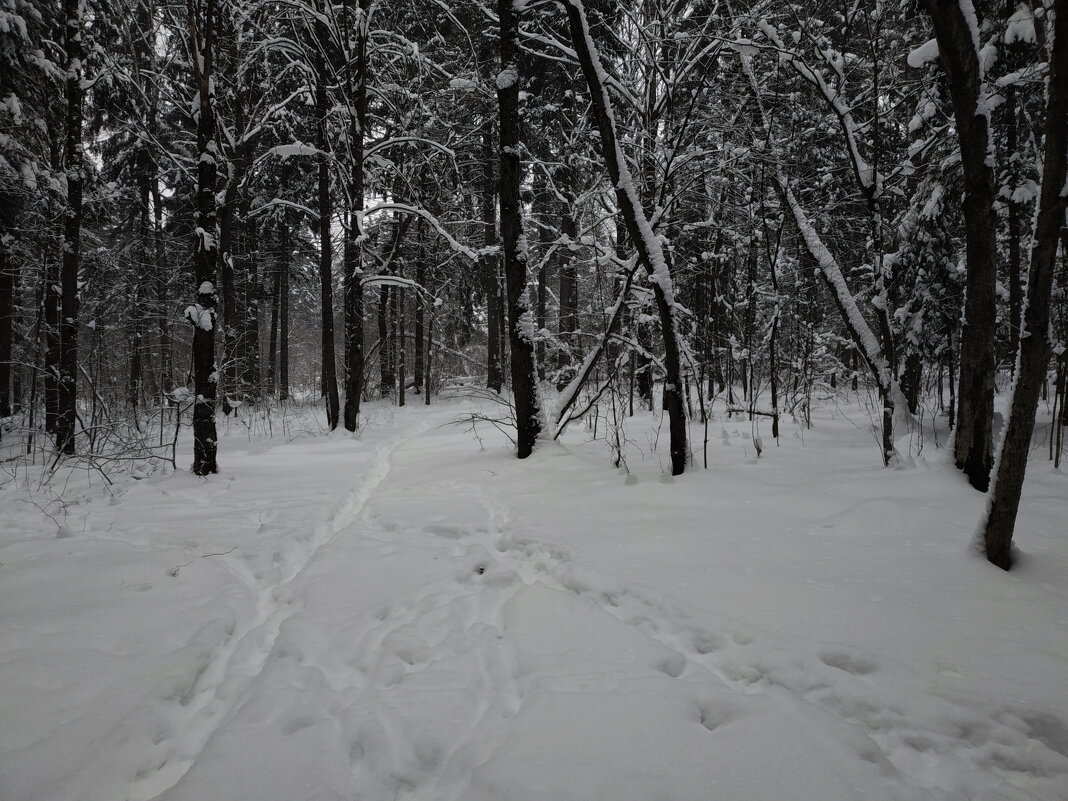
(650, 254)
(1035, 346)
(959, 54)
(520, 319)
(326, 274)
(72, 226)
(202, 314)
(354, 231)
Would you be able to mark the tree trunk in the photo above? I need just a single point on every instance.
(326, 276)
(513, 240)
(50, 299)
(650, 253)
(229, 303)
(283, 315)
(249, 351)
(1035, 345)
(163, 310)
(391, 344)
(354, 232)
(402, 350)
(7, 327)
(420, 305)
(272, 337)
(491, 269)
(387, 376)
(958, 51)
(202, 314)
(72, 225)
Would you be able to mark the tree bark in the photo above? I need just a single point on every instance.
(283, 315)
(7, 329)
(420, 305)
(958, 52)
(326, 275)
(72, 224)
(1035, 345)
(50, 300)
(513, 240)
(163, 310)
(354, 232)
(202, 314)
(272, 337)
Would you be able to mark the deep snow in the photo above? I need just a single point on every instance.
(408, 615)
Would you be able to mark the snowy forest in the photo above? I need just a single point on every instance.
(768, 299)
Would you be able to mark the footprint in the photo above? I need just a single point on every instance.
(714, 712)
(705, 642)
(672, 664)
(848, 661)
(741, 638)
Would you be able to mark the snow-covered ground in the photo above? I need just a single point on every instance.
(408, 615)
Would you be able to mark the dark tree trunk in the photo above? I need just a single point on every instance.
(1035, 347)
(272, 337)
(326, 275)
(975, 397)
(354, 231)
(163, 310)
(420, 306)
(50, 299)
(249, 350)
(387, 376)
(491, 269)
(283, 314)
(402, 350)
(67, 383)
(229, 304)
(520, 320)
(911, 380)
(202, 314)
(391, 344)
(144, 235)
(7, 326)
(429, 357)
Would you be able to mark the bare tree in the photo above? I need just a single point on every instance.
(513, 240)
(1035, 347)
(956, 29)
(202, 314)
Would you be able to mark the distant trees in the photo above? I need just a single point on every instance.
(672, 206)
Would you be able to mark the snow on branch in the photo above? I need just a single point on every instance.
(865, 175)
(404, 208)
